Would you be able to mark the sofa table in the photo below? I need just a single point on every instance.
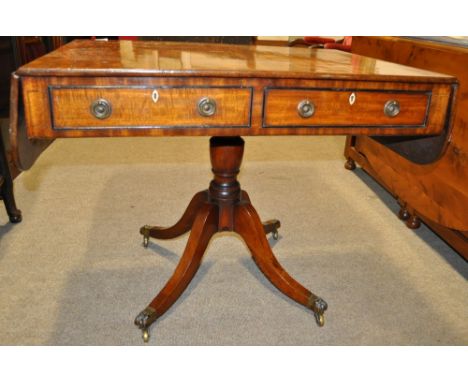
(131, 88)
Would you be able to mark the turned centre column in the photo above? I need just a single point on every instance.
(226, 158)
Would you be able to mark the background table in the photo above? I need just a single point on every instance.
(428, 176)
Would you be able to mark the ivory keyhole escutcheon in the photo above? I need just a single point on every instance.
(352, 98)
(155, 96)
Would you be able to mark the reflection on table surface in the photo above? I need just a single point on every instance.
(215, 59)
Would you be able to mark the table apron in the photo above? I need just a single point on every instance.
(184, 106)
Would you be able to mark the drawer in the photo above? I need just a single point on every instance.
(325, 107)
(95, 107)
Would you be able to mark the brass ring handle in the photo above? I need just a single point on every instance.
(101, 108)
(306, 109)
(206, 107)
(392, 108)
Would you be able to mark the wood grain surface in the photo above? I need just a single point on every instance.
(60, 107)
(145, 58)
(334, 108)
(438, 191)
(136, 106)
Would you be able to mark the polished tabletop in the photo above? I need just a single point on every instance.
(147, 88)
(127, 58)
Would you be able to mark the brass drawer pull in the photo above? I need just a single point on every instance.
(306, 109)
(101, 108)
(392, 108)
(206, 107)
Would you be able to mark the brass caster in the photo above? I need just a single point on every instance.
(144, 319)
(319, 306)
(145, 335)
(145, 232)
(275, 234)
(320, 319)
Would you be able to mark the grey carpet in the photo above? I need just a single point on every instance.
(75, 272)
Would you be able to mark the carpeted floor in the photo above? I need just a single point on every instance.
(75, 271)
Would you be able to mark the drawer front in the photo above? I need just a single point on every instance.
(324, 107)
(94, 107)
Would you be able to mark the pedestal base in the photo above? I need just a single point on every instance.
(223, 207)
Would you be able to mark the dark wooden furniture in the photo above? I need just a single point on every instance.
(111, 89)
(428, 176)
(14, 52)
(6, 186)
(8, 61)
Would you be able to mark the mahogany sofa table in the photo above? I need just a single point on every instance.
(128, 88)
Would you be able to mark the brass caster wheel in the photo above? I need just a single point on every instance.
(144, 320)
(275, 234)
(145, 335)
(320, 319)
(319, 307)
(145, 232)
